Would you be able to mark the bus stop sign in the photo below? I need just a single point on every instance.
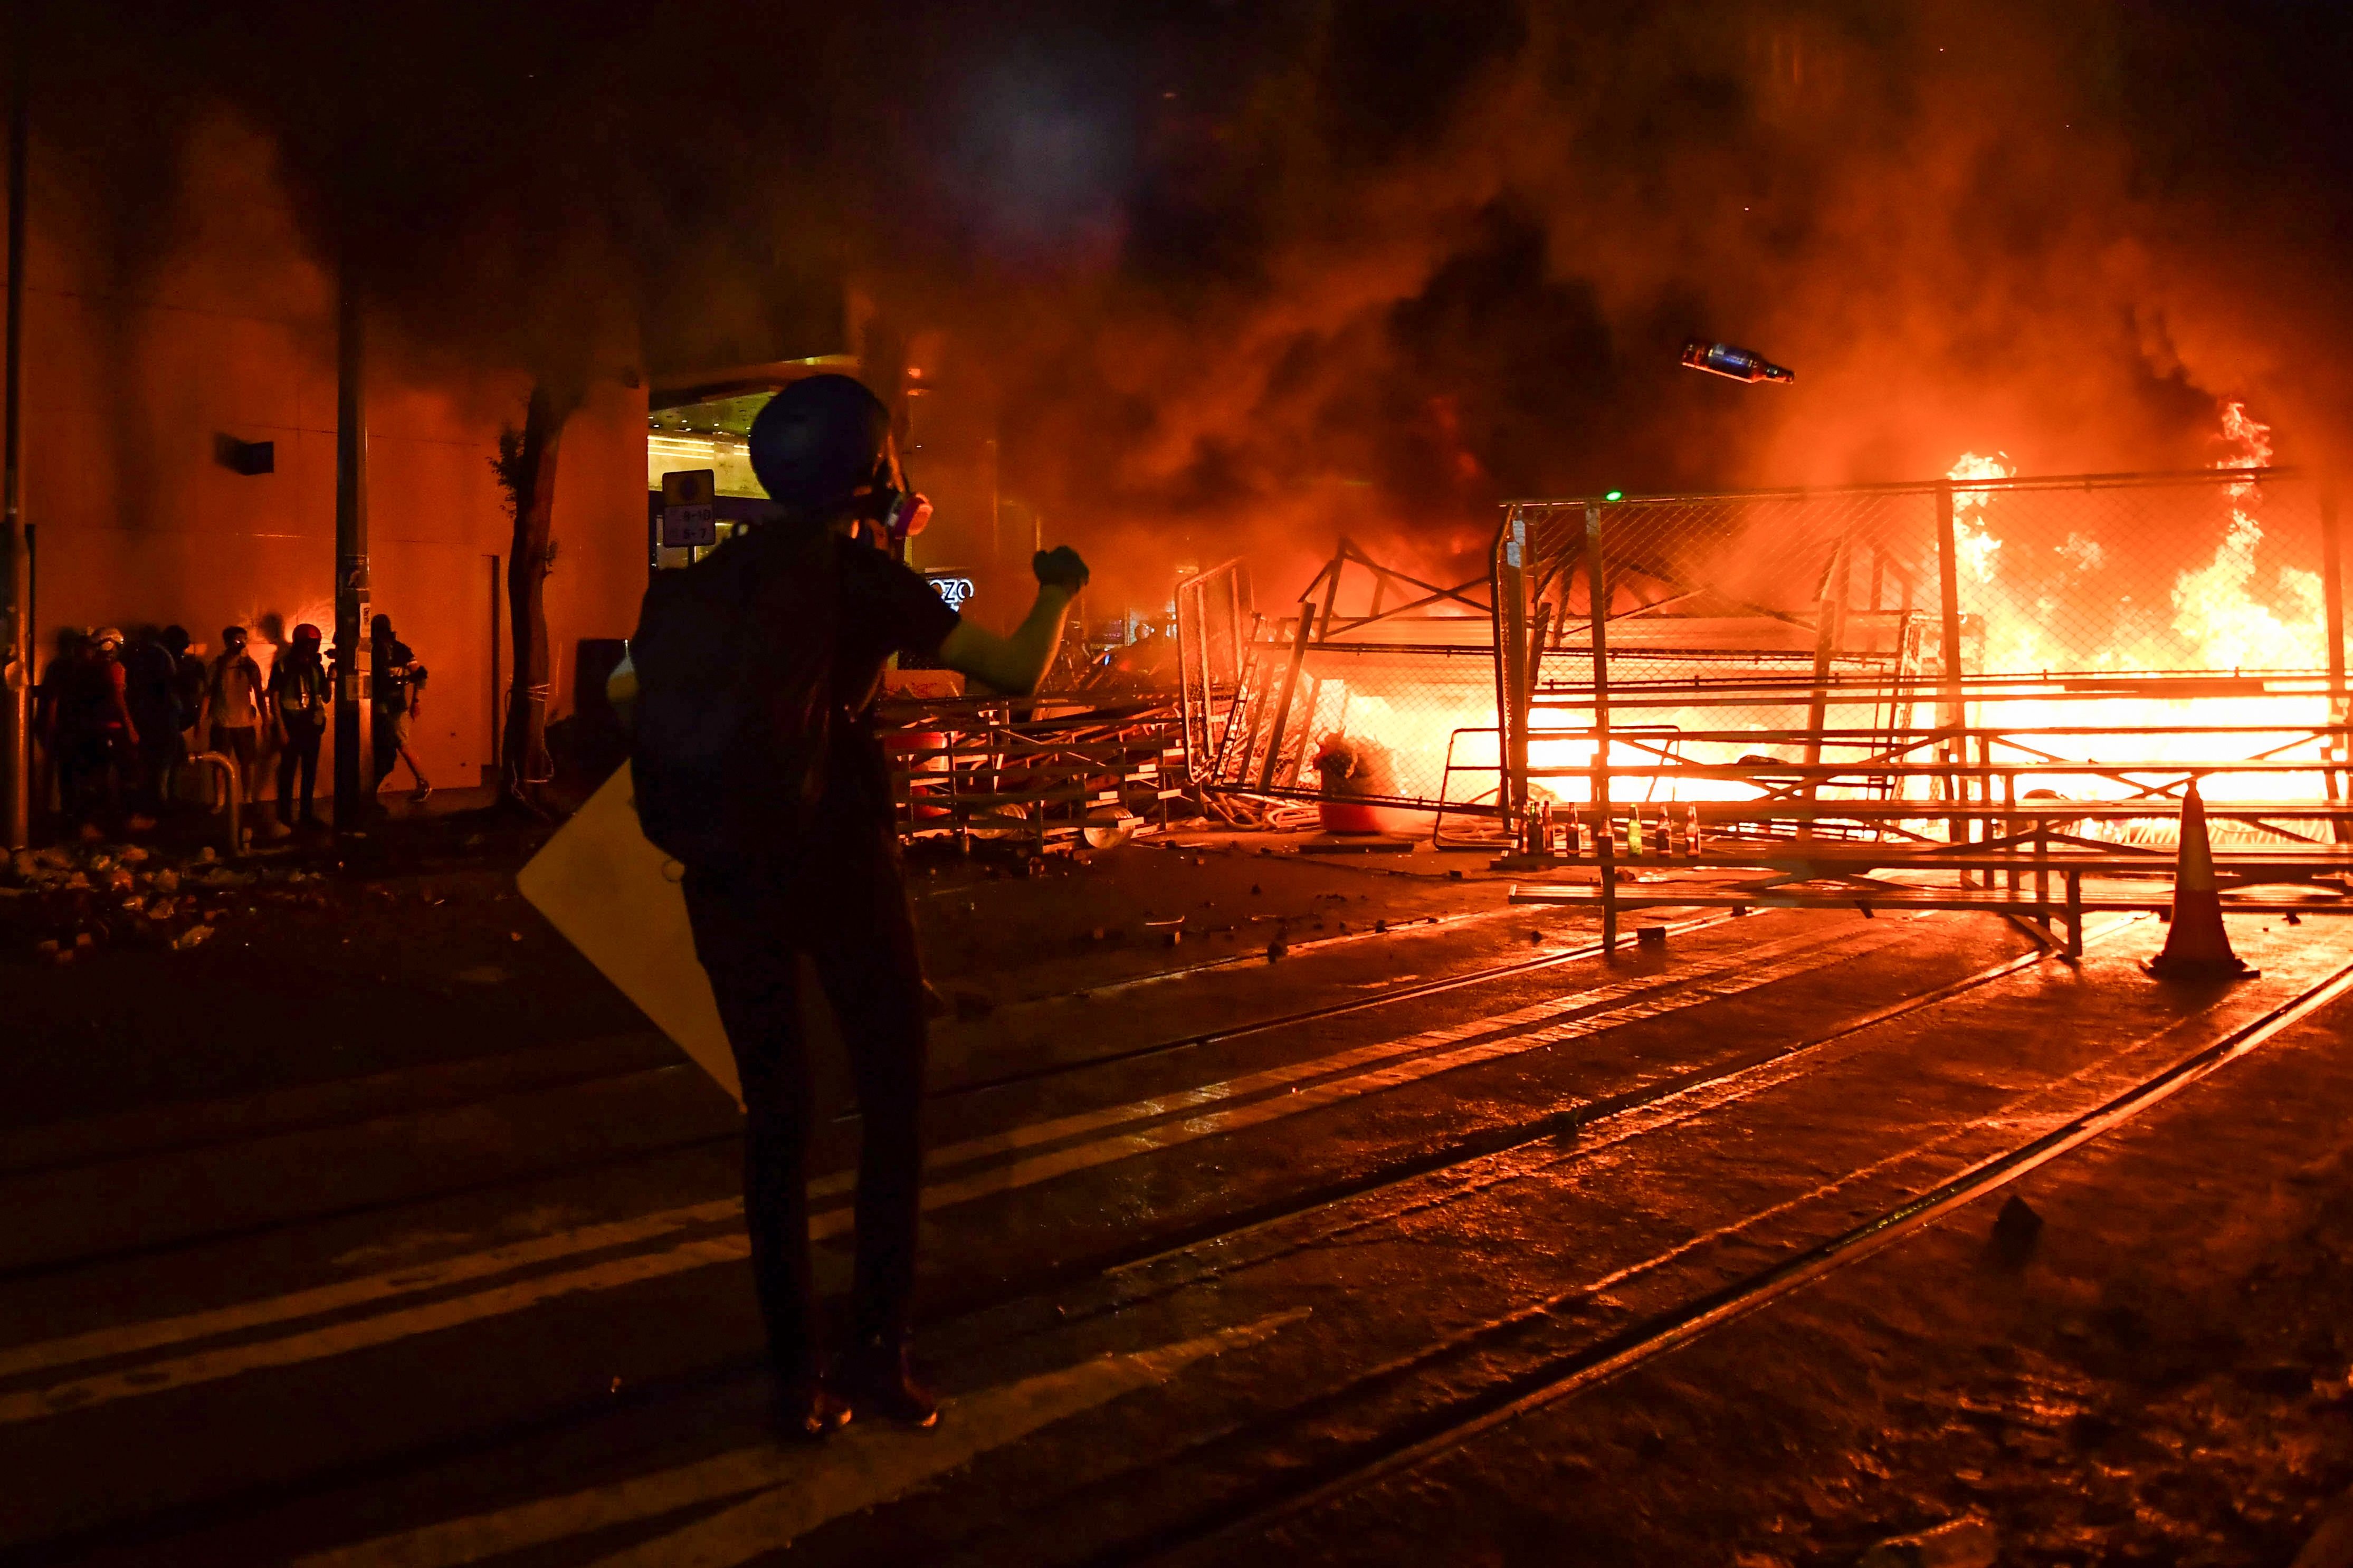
(690, 514)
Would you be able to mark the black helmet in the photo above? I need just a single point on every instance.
(819, 440)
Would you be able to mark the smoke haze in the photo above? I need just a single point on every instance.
(1245, 277)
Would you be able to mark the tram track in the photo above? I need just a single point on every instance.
(1697, 1092)
(1435, 1430)
(1208, 1233)
(93, 1152)
(1115, 1132)
(1404, 992)
(1392, 995)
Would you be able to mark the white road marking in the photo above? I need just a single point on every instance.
(346, 1294)
(1377, 1068)
(360, 1333)
(790, 1492)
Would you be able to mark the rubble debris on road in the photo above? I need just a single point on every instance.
(70, 901)
(1967, 1542)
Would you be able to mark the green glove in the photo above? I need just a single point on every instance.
(1060, 568)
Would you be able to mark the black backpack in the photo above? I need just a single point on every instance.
(734, 663)
(148, 669)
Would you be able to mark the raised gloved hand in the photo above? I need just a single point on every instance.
(1060, 568)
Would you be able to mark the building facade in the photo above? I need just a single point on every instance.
(151, 391)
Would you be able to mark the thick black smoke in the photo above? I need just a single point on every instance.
(1413, 260)
(1249, 275)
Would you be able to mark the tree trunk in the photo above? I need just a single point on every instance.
(529, 471)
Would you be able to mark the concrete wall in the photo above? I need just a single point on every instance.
(227, 331)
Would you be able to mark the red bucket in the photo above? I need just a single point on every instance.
(909, 745)
(1348, 816)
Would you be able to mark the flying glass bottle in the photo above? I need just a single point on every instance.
(1740, 364)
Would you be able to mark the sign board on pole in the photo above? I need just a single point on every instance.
(690, 514)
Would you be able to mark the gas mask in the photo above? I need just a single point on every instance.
(890, 514)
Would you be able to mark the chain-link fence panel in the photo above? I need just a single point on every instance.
(2163, 573)
(1732, 630)
(1216, 623)
(2096, 639)
(1374, 701)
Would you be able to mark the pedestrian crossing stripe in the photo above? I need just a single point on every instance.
(774, 1495)
(1087, 1140)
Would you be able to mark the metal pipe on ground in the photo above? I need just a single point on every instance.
(221, 767)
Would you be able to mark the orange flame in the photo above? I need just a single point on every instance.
(2216, 611)
(2229, 612)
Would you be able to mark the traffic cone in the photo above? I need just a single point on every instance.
(2196, 946)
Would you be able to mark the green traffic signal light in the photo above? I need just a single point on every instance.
(1613, 495)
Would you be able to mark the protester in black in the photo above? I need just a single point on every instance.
(102, 741)
(98, 746)
(150, 671)
(188, 682)
(298, 708)
(396, 684)
(834, 890)
(53, 697)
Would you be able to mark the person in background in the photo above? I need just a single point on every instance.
(98, 739)
(232, 694)
(50, 700)
(298, 712)
(188, 683)
(397, 680)
(149, 671)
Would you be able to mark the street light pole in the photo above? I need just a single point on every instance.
(354, 751)
(16, 549)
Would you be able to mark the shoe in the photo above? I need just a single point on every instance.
(420, 794)
(877, 1375)
(140, 823)
(807, 1413)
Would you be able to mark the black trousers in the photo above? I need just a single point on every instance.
(300, 755)
(91, 766)
(843, 902)
(159, 757)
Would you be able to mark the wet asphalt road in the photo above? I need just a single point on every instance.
(1211, 1240)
